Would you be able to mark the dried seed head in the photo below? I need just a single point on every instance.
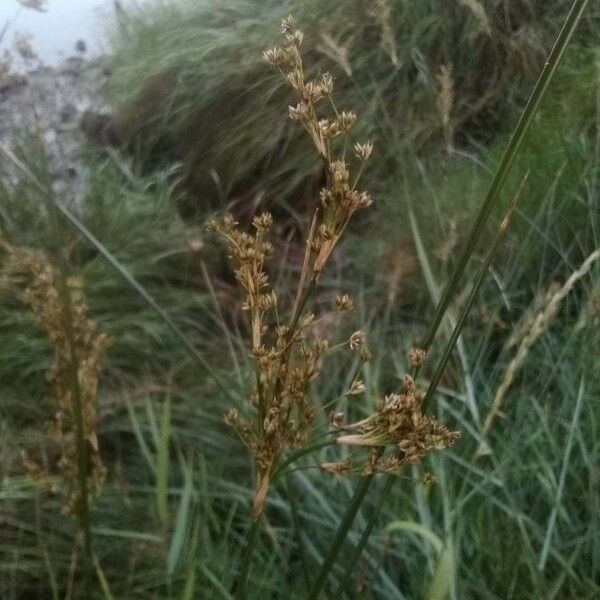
(326, 84)
(417, 356)
(336, 419)
(357, 387)
(263, 222)
(40, 279)
(339, 172)
(398, 422)
(231, 417)
(346, 120)
(344, 303)
(363, 151)
(299, 112)
(357, 340)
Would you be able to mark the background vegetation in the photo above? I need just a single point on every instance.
(199, 126)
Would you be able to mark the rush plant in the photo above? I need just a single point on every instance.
(289, 353)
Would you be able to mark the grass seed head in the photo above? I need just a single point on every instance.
(33, 271)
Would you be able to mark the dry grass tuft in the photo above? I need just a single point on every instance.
(534, 325)
(382, 13)
(32, 271)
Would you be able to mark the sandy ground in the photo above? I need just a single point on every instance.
(51, 100)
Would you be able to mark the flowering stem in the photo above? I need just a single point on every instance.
(493, 193)
(506, 163)
(434, 382)
(340, 536)
(81, 443)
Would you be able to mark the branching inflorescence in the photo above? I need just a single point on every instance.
(287, 354)
(40, 280)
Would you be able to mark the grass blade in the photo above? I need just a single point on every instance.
(103, 581)
(561, 481)
(162, 471)
(181, 522)
(506, 163)
(189, 589)
(441, 584)
(340, 536)
(139, 436)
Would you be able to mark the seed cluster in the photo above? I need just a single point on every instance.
(286, 359)
(33, 270)
(398, 422)
(287, 353)
(341, 198)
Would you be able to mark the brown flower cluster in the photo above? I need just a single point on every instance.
(286, 357)
(398, 422)
(33, 270)
(341, 198)
(287, 353)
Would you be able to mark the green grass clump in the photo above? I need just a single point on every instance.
(520, 521)
(188, 77)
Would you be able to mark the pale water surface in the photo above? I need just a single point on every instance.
(54, 33)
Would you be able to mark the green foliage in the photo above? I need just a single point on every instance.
(187, 76)
(520, 523)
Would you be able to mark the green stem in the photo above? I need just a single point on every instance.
(506, 163)
(434, 382)
(340, 536)
(347, 579)
(498, 180)
(466, 309)
(240, 587)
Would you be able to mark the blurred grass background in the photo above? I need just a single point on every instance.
(200, 125)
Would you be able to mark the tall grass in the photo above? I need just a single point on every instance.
(519, 521)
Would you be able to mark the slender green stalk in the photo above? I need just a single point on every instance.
(240, 587)
(506, 163)
(466, 309)
(348, 579)
(498, 237)
(493, 193)
(340, 536)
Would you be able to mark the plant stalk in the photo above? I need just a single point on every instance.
(506, 163)
(340, 536)
(492, 195)
(466, 309)
(83, 508)
(347, 579)
(499, 236)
